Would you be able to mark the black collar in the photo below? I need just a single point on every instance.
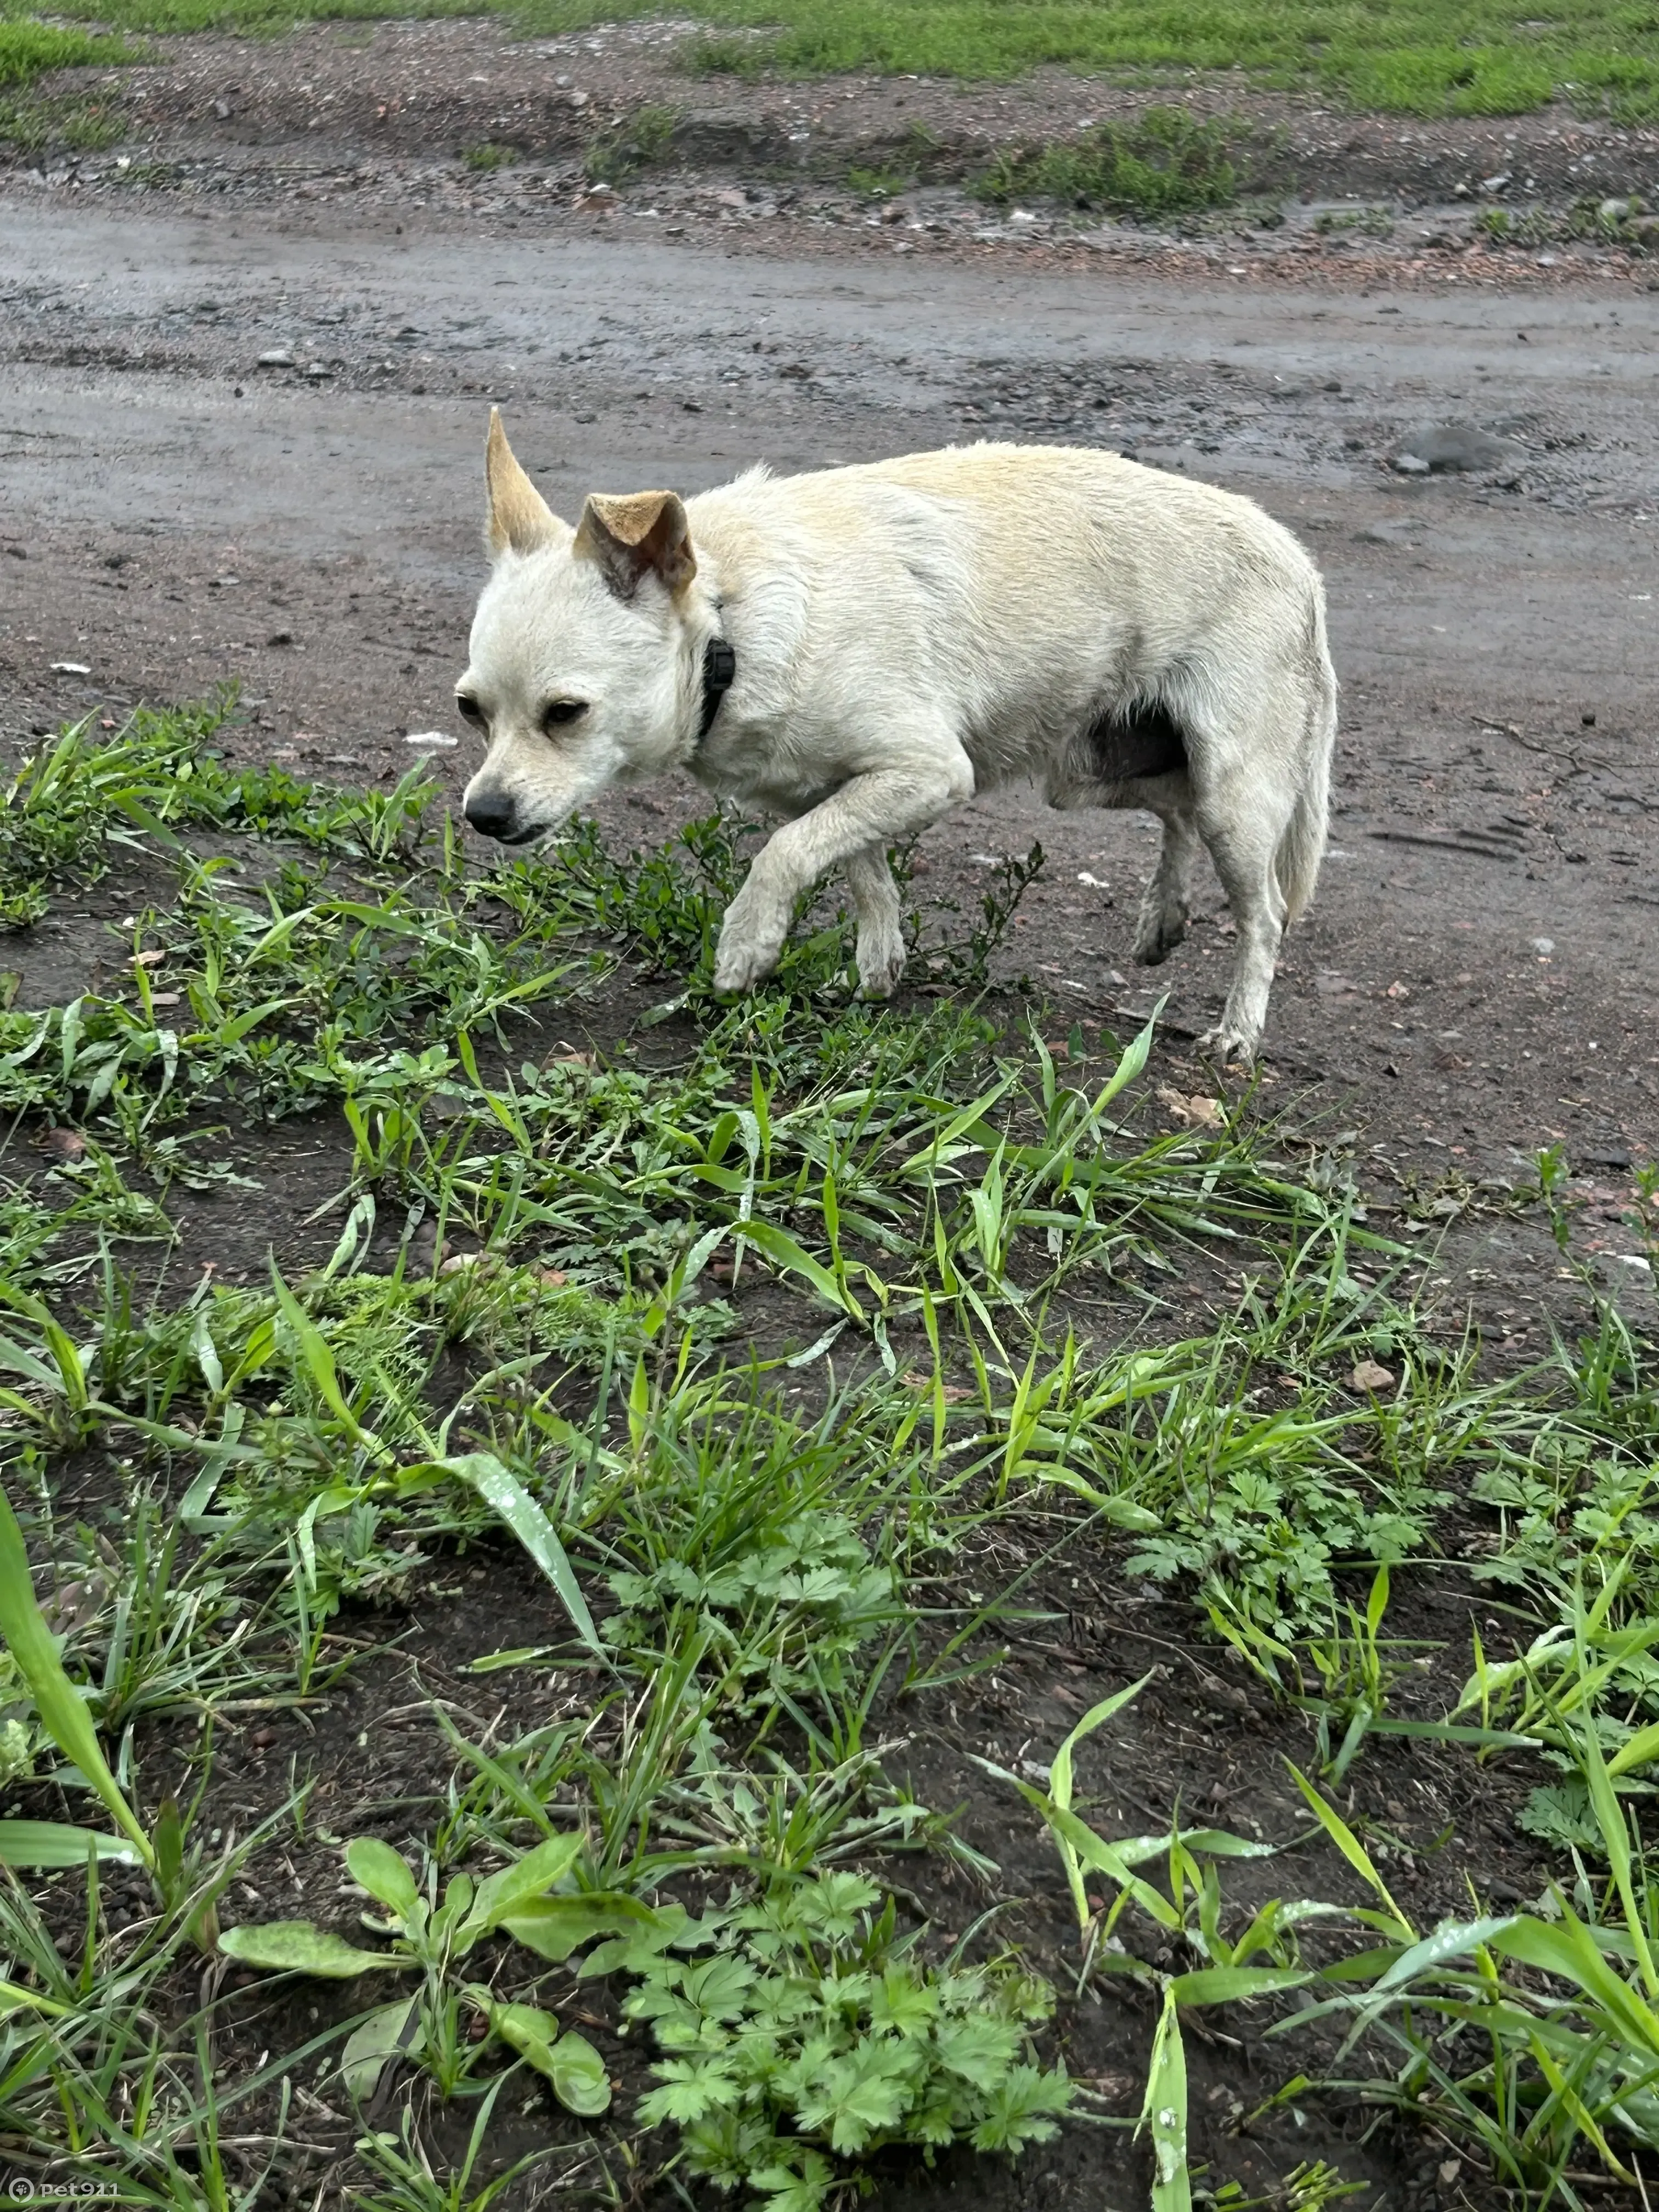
(720, 668)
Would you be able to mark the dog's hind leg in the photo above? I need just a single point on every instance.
(1161, 922)
(1243, 836)
(880, 952)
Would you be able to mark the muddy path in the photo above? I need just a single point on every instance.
(1476, 978)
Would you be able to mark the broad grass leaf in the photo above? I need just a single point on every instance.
(300, 1946)
(787, 1256)
(1448, 1942)
(62, 1709)
(1163, 2113)
(1209, 1985)
(56, 1844)
(506, 1496)
(16, 1999)
(1350, 1846)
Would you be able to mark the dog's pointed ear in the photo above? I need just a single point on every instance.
(643, 531)
(519, 519)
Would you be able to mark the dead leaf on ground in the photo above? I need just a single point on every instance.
(1192, 1112)
(955, 1393)
(1368, 1376)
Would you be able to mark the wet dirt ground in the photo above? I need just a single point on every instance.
(1476, 979)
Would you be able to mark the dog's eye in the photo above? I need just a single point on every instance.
(558, 711)
(468, 708)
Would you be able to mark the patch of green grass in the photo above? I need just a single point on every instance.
(1409, 57)
(1166, 163)
(879, 184)
(534, 1328)
(28, 48)
(645, 138)
(726, 54)
(80, 126)
(489, 155)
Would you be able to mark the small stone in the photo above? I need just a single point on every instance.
(315, 368)
(439, 740)
(278, 357)
(1453, 448)
(1544, 945)
(1368, 1376)
(80, 668)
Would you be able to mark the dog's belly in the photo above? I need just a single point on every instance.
(1109, 761)
(1144, 740)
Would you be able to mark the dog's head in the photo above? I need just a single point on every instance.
(579, 649)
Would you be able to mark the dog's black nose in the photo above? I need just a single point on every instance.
(491, 816)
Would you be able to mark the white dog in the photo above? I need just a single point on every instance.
(862, 650)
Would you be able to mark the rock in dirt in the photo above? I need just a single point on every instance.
(1369, 1376)
(1454, 449)
(278, 357)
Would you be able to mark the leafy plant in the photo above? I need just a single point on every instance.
(434, 1938)
(811, 2038)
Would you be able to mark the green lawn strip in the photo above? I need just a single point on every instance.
(1412, 57)
(742, 1555)
(28, 46)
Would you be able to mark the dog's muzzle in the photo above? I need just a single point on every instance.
(498, 818)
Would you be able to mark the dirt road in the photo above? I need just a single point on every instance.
(1477, 977)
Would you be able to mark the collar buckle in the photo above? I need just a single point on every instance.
(720, 669)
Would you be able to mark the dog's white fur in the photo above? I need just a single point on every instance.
(908, 633)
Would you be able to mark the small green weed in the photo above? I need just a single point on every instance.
(645, 139)
(879, 184)
(1167, 164)
(1360, 222)
(747, 55)
(811, 2040)
(489, 155)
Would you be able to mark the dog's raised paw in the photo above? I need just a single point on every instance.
(741, 965)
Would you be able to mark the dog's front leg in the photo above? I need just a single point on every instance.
(880, 952)
(867, 813)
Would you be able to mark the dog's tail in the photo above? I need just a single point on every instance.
(1302, 848)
